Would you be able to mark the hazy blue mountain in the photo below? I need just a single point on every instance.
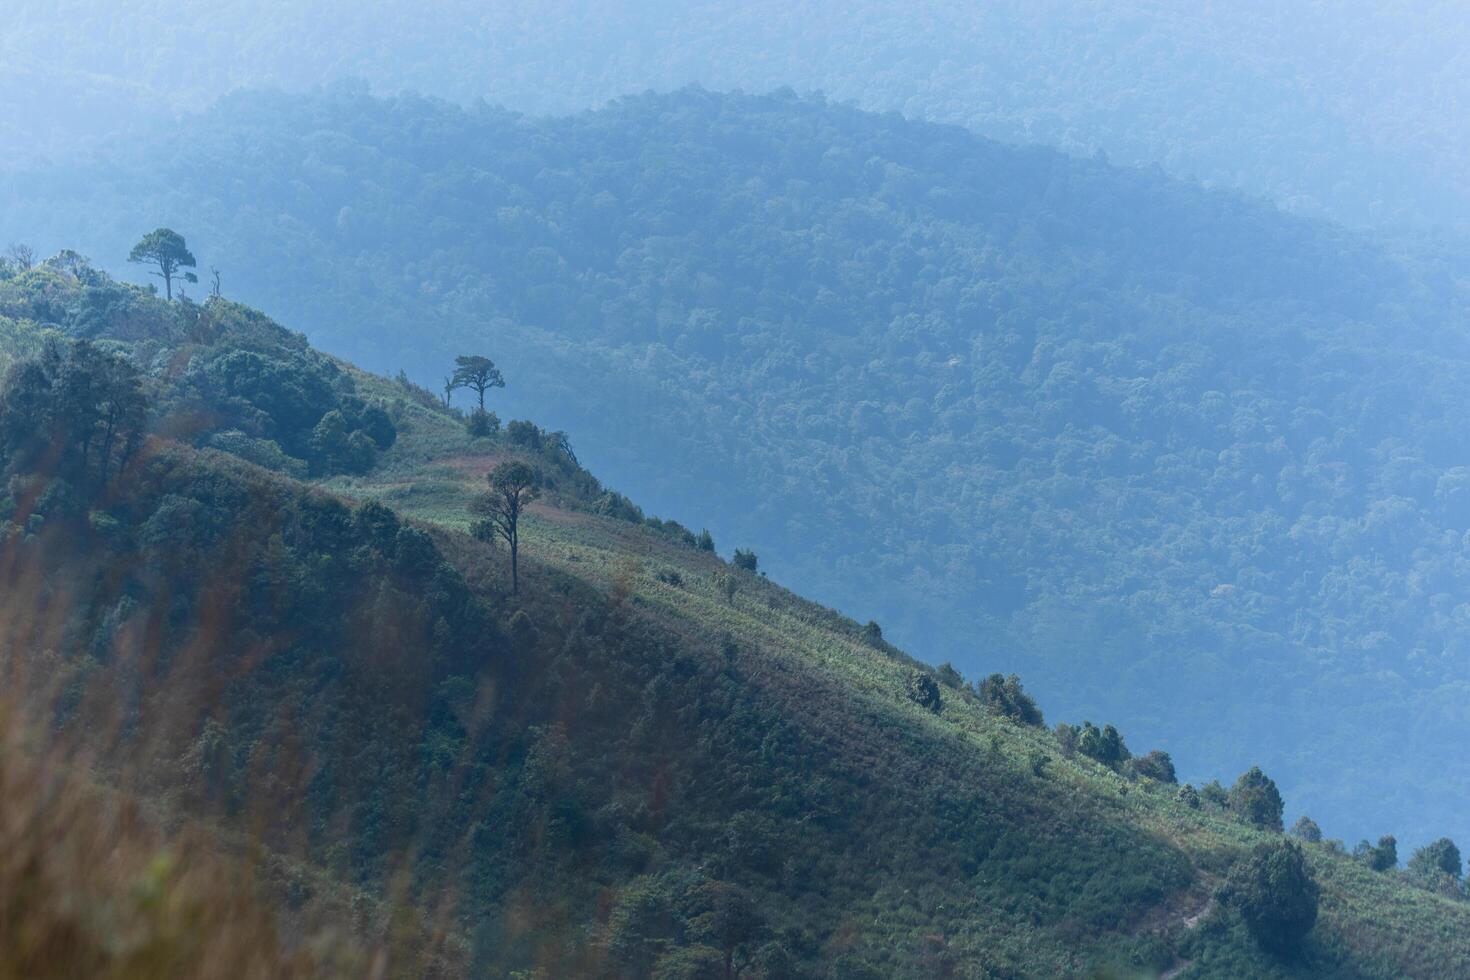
(1165, 451)
(1352, 109)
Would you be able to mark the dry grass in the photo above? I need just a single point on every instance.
(91, 887)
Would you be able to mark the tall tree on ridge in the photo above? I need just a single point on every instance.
(165, 249)
(479, 373)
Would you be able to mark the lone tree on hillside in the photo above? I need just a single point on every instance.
(513, 485)
(165, 249)
(1275, 893)
(479, 373)
(1255, 798)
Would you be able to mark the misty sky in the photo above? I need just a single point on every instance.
(1354, 111)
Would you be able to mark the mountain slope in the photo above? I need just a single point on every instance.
(629, 768)
(1170, 453)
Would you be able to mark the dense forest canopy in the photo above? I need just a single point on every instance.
(1167, 452)
(1352, 109)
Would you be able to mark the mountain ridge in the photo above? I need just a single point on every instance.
(971, 391)
(585, 777)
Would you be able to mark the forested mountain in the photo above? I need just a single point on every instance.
(1169, 453)
(1353, 109)
(642, 761)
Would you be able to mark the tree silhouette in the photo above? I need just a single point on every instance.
(165, 249)
(513, 485)
(479, 373)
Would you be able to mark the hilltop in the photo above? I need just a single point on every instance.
(645, 761)
(1169, 452)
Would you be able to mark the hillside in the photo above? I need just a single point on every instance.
(1169, 453)
(644, 762)
(1352, 110)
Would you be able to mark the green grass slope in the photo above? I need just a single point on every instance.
(646, 763)
(998, 399)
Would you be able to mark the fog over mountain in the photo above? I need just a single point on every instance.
(1354, 109)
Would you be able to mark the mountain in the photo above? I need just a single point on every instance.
(1351, 111)
(643, 761)
(1169, 453)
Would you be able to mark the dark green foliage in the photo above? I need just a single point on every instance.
(923, 691)
(745, 559)
(513, 486)
(482, 424)
(219, 374)
(164, 249)
(673, 529)
(1156, 765)
(1189, 796)
(478, 373)
(1004, 697)
(339, 449)
(1102, 744)
(76, 408)
(872, 634)
(706, 541)
(526, 435)
(950, 677)
(1276, 894)
(1381, 856)
(1306, 830)
(1439, 857)
(1215, 794)
(1255, 799)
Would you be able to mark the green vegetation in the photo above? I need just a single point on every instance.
(613, 767)
(1275, 894)
(1256, 800)
(165, 248)
(1168, 453)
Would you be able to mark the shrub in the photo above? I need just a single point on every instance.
(1380, 856)
(745, 559)
(1102, 744)
(1306, 829)
(1255, 799)
(1156, 765)
(481, 424)
(951, 678)
(1275, 893)
(923, 691)
(1067, 738)
(524, 434)
(1440, 857)
(1214, 794)
(1005, 698)
(1189, 796)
